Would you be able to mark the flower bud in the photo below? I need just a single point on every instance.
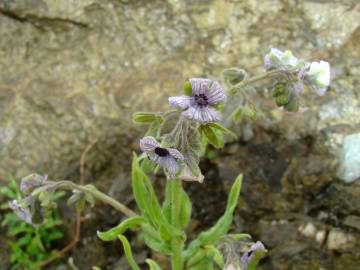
(234, 75)
(292, 105)
(146, 117)
(279, 89)
(282, 100)
(188, 88)
(279, 59)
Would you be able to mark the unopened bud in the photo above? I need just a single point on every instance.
(146, 117)
(279, 89)
(282, 100)
(234, 75)
(292, 105)
(188, 88)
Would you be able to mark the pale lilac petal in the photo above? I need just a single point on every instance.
(182, 102)
(248, 255)
(202, 115)
(171, 166)
(267, 62)
(157, 159)
(298, 87)
(320, 91)
(216, 94)
(175, 153)
(21, 211)
(148, 143)
(199, 85)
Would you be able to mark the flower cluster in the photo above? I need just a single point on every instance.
(298, 73)
(199, 106)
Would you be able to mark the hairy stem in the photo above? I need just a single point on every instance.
(176, 243)
(266, 75)
(69, 185)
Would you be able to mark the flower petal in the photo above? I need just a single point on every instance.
(148, 143)
(175, 153)
(21, 211)
(216, 94)
(182, 102)
(248, 255)
(199, 85)
(171, 166)
(202, 115)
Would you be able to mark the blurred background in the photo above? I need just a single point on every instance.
(72, 73)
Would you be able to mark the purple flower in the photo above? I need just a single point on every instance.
(200, 106)
(165, 157)
(21, 211)
(249, 255)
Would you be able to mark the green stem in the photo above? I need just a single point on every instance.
(69, 185)
(260, 77)
(176, 243)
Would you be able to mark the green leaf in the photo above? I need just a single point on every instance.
(96, 268)
(257, 255)
(25, 240)
(128, 253)
(148, 203)
(148, 165)
(238, 236)
(221, 128)
(222, 226)
(155, 243)
(166, 208)
(236, 114)
(215, 253)
(147, 117)
(215, 138)
(185, 210)
(205, 263)
(152, 264)
(130, 223)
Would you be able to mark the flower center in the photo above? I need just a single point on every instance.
(162, 152)
(201, 100)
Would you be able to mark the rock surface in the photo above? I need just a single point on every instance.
(73, 72)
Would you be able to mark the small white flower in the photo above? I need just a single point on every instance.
(279, 59)
(165, 157)
(318, 76)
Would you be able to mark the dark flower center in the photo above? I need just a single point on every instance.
(162, 152)
(201, 100)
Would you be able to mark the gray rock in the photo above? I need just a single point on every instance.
(349, 169)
